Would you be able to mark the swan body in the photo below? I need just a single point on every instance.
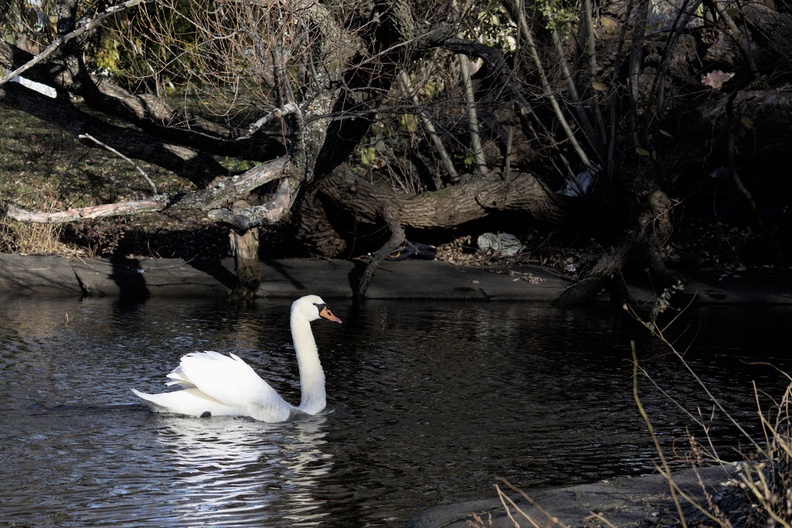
(213, 384)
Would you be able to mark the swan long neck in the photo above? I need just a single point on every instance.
(312, 379)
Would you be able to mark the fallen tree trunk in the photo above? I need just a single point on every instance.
(643, 245)
(344, 193)
(448, 207)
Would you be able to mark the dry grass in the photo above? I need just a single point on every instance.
(33, 239)
(761, 494)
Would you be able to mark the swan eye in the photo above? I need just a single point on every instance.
(320, 306)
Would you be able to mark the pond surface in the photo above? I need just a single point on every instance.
(429, 403)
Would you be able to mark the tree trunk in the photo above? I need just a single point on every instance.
(362, 275)
(245, 248)
(643, 245)
(194, 166)
(345, 194)
(448, 207)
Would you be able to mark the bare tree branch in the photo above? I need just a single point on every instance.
(431, 130)
(195, 166)
(222, 192)
(55, 45)
(86, 213)
(114, 151)
(362, 279)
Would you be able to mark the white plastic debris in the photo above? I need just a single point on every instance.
(43, 89)
(502, 244)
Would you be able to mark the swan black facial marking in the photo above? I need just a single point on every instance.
(320, 306)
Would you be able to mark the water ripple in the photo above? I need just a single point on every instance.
(429, 404)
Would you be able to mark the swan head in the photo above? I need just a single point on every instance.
(311, 308)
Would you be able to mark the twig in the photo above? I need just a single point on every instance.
(674, 489)
(601, 518)
(288, 108)
(655, 330)
(429, 127)
(666, 470)
(554, 521)
(503, 498)
(114, 151)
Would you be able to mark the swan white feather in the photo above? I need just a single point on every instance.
(223, 385)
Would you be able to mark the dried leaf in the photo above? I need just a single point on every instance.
(716, 78)
(599, 86)
(608, 24)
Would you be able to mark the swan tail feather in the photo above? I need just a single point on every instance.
(189, 402)
(180, 379)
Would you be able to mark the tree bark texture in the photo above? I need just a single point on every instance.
(245, 248)
(214, 199)
(363, 274)
(449, 207)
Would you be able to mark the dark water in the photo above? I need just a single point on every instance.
(430, 402)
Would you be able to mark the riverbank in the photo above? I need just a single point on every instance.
(623, 502)
(288, 278)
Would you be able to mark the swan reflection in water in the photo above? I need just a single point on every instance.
(239, 471)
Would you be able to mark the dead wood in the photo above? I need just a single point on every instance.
(364, 271)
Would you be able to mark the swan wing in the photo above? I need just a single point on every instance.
(231, 382)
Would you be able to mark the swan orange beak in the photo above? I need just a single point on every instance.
(327, 314)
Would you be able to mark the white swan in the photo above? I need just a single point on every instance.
(218, 385)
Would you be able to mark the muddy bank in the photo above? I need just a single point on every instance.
(53, 275)
(411, 279)
(623, 502)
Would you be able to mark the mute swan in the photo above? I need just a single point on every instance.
(218, 385)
